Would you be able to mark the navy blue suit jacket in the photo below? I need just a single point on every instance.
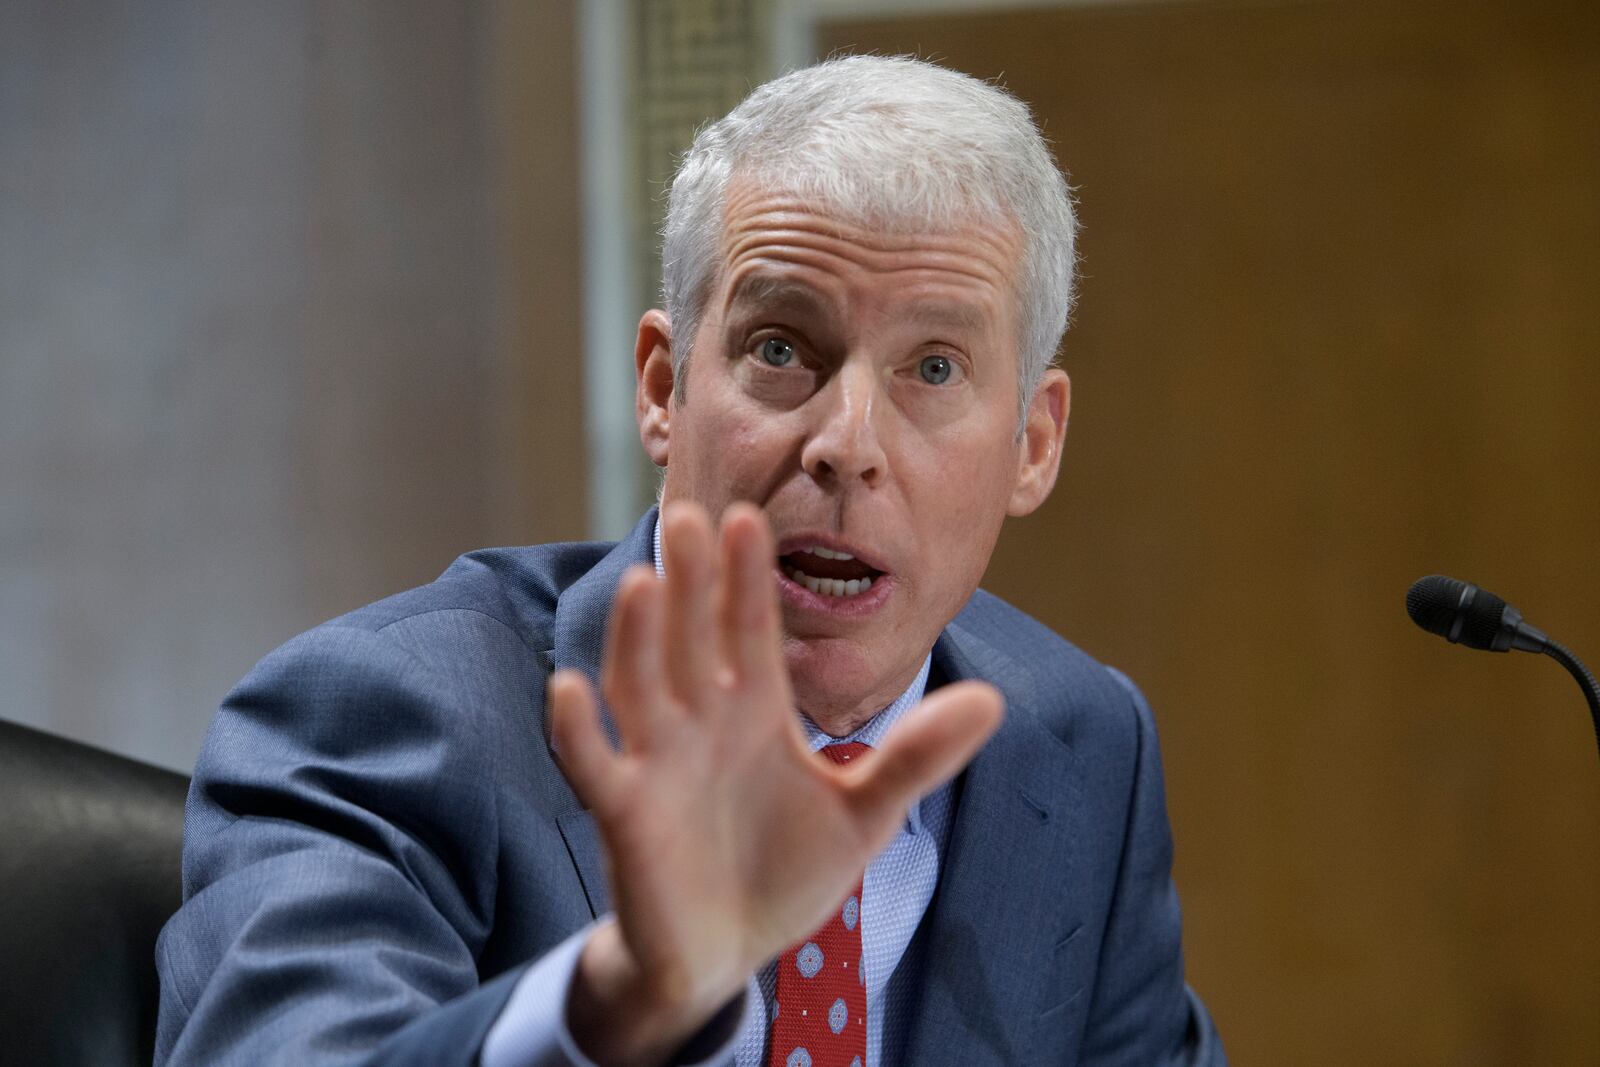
(378, 842)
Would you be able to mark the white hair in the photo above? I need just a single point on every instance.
(887, 142)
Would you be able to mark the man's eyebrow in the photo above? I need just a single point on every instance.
(949, 316)
(763, 290)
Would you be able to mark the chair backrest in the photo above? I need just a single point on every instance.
(90, 846)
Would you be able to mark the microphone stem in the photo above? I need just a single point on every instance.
(1585, 677)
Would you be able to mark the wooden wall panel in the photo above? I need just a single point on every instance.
(1336, 332)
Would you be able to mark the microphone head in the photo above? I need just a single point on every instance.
(1457, 611)
(1432, 603)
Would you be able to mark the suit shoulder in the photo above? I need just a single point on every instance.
(493, 606)
(517, 587)
(1007, 625)
(1065, 681)
(463, 648)
(1013, 630)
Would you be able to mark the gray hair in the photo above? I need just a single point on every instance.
(888, 142)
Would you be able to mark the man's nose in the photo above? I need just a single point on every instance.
(844, 446)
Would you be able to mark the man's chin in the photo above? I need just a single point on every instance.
(838, 684)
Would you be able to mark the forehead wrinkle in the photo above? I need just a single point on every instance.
(775, 205)
(758, 288)
(949, 292)
(749, 208)
(769, 234)
(951, 253)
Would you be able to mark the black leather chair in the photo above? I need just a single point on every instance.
(89, 872)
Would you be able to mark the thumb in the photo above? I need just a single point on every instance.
(925, 749)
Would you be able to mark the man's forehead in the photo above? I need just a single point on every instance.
(750, 198)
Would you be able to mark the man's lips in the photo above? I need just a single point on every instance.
(822, 572)
(795, 544)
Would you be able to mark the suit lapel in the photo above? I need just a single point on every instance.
(580, 627)
(976, 977)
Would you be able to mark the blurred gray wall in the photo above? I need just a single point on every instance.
(288, 319)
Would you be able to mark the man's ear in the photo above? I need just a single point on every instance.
(652, 400)
(1042, 436)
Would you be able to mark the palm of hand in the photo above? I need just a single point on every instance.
(726, 838)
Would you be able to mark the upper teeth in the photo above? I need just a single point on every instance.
(828, 553)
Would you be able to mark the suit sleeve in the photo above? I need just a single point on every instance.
(1142, 1014)
(339, 869)
(340, 880)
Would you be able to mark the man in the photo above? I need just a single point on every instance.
(414, 836)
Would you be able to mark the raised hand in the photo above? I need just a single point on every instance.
(726, 838)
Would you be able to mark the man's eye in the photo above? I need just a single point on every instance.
(777, 352)
(935, 370)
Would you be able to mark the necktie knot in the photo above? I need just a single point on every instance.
(845, 751)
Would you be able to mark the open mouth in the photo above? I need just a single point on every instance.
(827, 572)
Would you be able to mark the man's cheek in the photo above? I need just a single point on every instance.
(751, 453)
(743, 436)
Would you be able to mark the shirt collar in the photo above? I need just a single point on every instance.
(655, 549)
(873, 731)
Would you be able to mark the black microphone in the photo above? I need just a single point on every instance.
(1463, 614)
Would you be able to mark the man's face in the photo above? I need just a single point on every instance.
(862, 389)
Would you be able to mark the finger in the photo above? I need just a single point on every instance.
(633, 677)
(925, 749)
(751, 629)
(581, 746)
(689, 546)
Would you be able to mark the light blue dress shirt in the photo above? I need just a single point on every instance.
(531, 1031)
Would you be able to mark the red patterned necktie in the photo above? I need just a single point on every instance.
(820, 1017)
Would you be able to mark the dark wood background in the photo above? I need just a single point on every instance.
(1337, 331)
